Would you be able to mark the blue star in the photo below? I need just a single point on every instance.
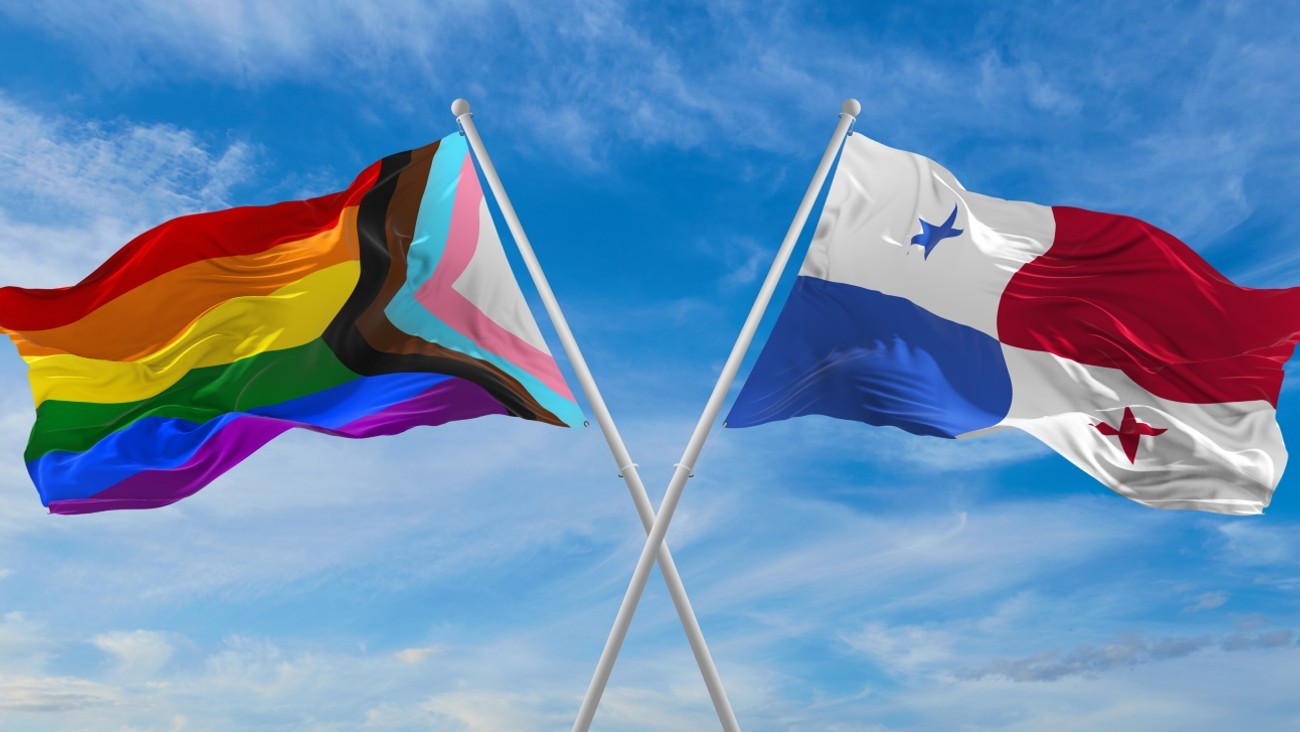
(931, 235)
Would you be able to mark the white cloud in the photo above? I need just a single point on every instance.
(26, 645)
(72, 192)
(84, 170)
(246, 41)
(486, 711)
(415, 655)
(1257, 544)
(514, 683)
(275, 519)
(850, 558)
(1000, 83)
(1010, 614)
(135, 653)
(585, 81)
(902, 649)
(50, 694)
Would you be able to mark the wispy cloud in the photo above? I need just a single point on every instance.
(49, 695)
(1088, 660)
(1256, 545)
(137, 653)
(24, 642)
(902, 649)
(1122, 653)
(416, 655)
(1208, 601)
(73, 191)
(621, 68)
(484, 711)
(1269, 639)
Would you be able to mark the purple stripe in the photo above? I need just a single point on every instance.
(449, 401)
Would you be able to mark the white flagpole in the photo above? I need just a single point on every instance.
(626, 468)
(684, 469)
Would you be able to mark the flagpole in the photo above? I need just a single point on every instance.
(684, 469)
(627, 470)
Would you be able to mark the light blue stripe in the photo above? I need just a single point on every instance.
(434, 220)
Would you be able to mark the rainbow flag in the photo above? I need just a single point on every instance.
(367, 312)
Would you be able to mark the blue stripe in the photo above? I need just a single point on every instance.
(160, 443)
(852, 353)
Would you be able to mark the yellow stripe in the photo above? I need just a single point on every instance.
(238, 328)
(149, 317)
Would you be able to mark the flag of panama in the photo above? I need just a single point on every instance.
(944, 312)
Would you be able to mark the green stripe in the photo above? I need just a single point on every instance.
(204, 393)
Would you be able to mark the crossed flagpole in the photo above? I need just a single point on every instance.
(656, 526)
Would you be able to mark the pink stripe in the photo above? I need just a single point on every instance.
(442, 300)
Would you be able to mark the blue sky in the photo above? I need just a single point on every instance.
(464, 577)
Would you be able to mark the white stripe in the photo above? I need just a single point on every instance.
(488, 283)
(873, 210)
(1225, 458)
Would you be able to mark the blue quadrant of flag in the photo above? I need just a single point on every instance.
(852, 353)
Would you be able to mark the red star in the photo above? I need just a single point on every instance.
(1129, 432)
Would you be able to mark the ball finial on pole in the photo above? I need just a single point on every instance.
(460, 108)
(851, 107)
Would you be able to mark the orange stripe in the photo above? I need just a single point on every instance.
(236, 329)
(151, 316)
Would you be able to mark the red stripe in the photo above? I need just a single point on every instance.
(174, 244)
(1117, 292)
